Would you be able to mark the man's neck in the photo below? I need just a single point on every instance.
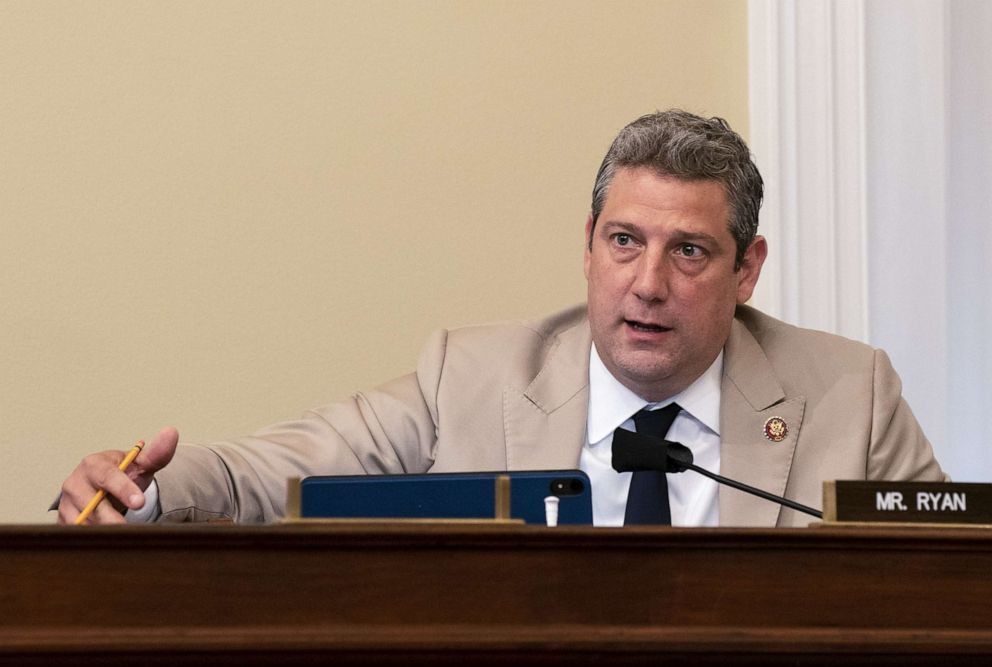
(611, 402)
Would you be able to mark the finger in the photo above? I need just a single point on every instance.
(78, 489)
(155, 456)
(67, 511)
(100, 471)
(70, 508)
(106, 514)
(120, 486)
(75, 493)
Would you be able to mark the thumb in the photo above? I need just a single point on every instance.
(155, 456)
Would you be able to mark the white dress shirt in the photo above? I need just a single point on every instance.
(693, 498)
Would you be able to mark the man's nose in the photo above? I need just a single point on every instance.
(651, 279)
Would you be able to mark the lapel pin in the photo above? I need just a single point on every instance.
(776, 429)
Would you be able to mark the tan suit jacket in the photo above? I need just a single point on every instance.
(515, 397)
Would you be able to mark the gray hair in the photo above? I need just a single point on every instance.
(682, 145)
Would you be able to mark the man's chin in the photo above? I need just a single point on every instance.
(644, 374)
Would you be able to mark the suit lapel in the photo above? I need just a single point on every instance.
(751, 395)
(545, 423)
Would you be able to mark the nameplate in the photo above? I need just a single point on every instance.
(907, 502)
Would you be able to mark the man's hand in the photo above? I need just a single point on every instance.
(125, 489)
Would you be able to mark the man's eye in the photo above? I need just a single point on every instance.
(690, 250)
(622, 239)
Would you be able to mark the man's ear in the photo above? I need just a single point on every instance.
(588, 245)
(754, 258)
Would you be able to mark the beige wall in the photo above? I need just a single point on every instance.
(215, 215)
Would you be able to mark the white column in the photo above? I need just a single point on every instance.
(968, 244)
(808, 136)
(906, 165)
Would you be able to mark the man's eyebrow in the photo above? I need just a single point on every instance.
(683, 235)
(619, 224)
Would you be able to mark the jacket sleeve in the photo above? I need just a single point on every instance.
(391, 429)
(898, 449)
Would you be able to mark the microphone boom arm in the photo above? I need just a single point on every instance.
(740, 486)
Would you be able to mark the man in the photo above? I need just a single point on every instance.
(671, 258)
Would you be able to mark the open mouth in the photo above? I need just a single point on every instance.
(643, 326)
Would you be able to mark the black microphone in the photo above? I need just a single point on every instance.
(637, 452)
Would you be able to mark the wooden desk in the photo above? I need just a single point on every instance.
(492, 594)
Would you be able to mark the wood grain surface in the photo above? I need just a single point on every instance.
(422, 594)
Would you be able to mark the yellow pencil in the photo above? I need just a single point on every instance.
(101, 494)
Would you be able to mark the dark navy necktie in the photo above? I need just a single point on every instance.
(647, 500)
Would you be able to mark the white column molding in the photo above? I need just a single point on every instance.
(807, 107)
(913, 251)
(765, 129)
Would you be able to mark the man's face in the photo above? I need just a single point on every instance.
(662, 284)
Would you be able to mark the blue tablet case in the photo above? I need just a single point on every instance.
(447, 496)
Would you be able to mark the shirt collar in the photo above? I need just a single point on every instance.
(611, 403)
